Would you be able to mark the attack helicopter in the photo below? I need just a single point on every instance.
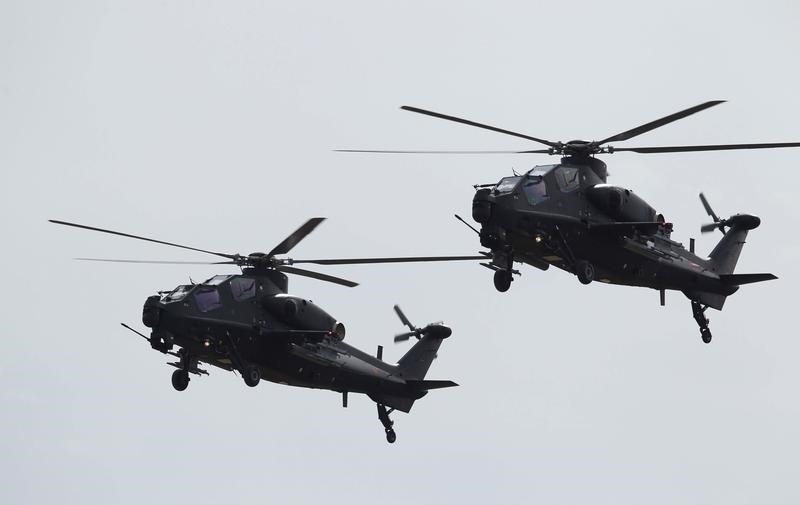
(248, 323)
(566, 215)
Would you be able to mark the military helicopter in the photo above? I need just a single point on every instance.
(565, 215)
(248, 324)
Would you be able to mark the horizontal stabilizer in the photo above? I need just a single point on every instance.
(426, 385)
(739, 279)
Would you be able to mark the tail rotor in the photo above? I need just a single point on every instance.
(738, 221)
(717, 224)
(437, 330)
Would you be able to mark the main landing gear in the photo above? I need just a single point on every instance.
(383, 416)
(186, 365)
(502, 280)
(250, 373)
(503, 266)
(698, 312)
(180, 379)
(582, 268)
(251, 376)
(585, 271)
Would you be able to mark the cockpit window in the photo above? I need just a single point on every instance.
(506, 184)
(243, 288)
(541, 169)
(178, 293)
(568, 178)
(217, 280)
(535, 189)
(207, 298)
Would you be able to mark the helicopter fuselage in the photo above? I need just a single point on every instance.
(565, 215)
(236, 321)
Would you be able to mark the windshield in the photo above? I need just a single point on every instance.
(541, 170)
(243, 288)
(535, 189)
(567, 178)
(506, 184)
(207, 298)
(217, 280)
(177, 294)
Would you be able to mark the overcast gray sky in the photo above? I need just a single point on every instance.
(212, 124)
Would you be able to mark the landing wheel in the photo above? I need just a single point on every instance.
(502, 280)
(585, 272)
(698, 312)
(180, 379)
(391, 436)
(251, 376)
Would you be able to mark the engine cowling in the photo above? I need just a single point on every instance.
(620, 203)
(302, 314)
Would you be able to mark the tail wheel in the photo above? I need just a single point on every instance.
(705, 334)
(391, 436)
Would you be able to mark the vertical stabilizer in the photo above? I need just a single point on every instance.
(416, 362)
(726, 254)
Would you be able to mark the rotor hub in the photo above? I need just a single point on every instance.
(261, 261)
(577, 148)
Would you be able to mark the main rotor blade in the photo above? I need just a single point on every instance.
(317, 275)
(298, 235)
(224, 255)
(718, 147)
(477, 125)
(159, 262)
(708, 208)
(659, 122)
(408, 259)
(404, 320)
(378, 151)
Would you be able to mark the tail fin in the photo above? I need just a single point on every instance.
(726, 253)
(724, 257)
(416, 362)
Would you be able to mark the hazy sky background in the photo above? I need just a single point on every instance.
(213, 124)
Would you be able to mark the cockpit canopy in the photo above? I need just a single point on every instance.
(540, 183)
(227, 291)
(211, 294)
